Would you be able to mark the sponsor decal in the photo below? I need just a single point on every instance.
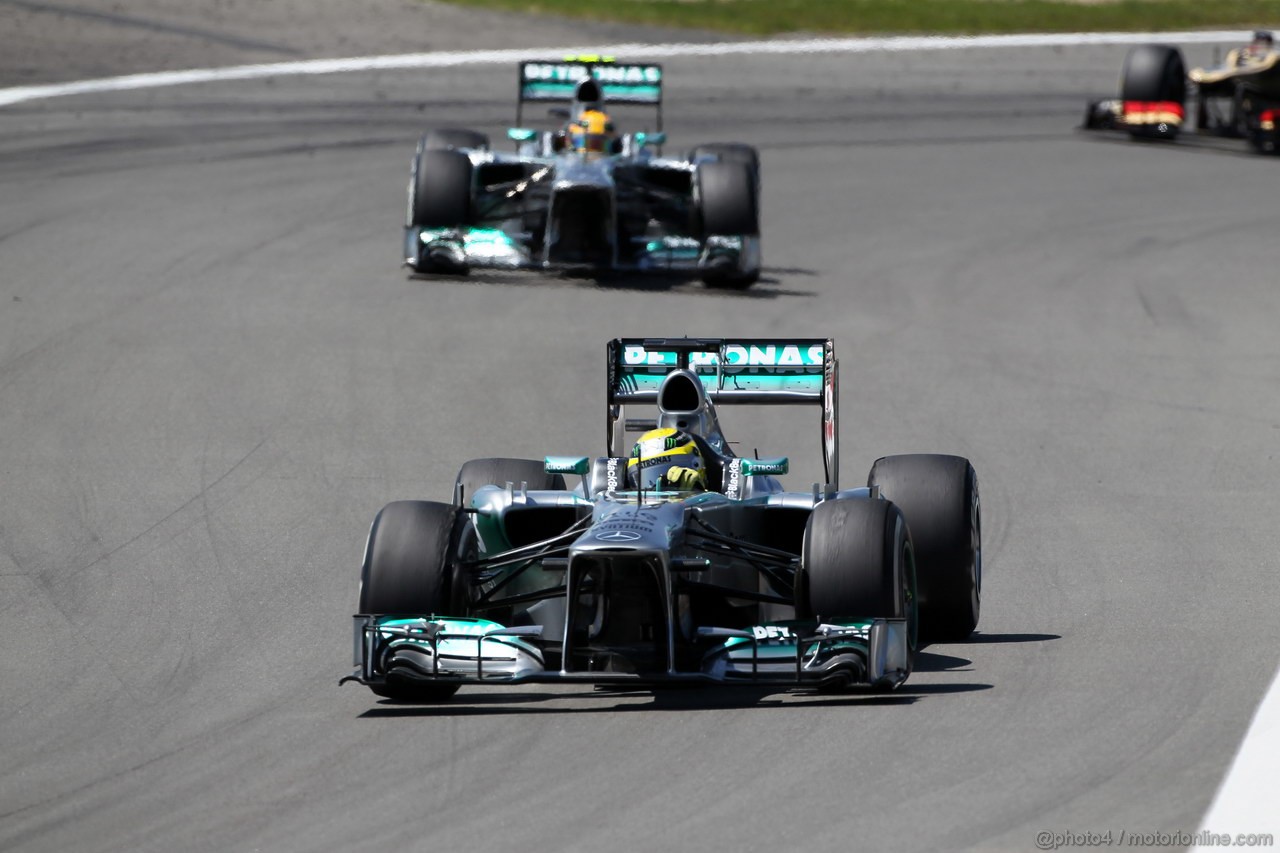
(733, 479)
(860, 631)
(772, 632)
(657, 460)
(611, 474)
(627, 522)
(1153, 112)
(625, 75)
(661, 443)
(628, 74)
(735, 355)
(829, 409)
(550, 72)
(618, 536)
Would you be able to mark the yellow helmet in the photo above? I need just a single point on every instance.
(666, 459)
(592, 132)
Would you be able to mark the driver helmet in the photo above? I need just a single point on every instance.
(666, 460)
(1263, 42)
(592, 133)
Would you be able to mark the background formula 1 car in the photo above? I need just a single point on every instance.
(560, 204)
(525, 579)
(1240, 97)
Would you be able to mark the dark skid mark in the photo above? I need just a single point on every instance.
(153, 26)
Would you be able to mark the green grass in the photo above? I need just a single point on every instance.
(768, 17)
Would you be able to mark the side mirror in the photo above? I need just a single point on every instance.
(566, 465)
(642, 139)
(521, 134)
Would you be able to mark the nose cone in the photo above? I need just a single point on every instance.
(632, 528)
(575, 174)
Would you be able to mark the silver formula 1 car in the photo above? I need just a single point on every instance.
(1238, 97)
(625, 578)
(584, 197)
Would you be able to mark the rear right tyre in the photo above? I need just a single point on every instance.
(453, 137)
(499, 472)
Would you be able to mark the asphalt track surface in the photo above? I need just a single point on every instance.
(213, 373)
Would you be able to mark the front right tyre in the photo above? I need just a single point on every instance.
(409, 570)
(728, 206)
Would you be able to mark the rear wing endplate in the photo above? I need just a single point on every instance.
(620, 83)
(751, 371)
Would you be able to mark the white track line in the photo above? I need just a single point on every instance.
(20, 94)
(1247, 801)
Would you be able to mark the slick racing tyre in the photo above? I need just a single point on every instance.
(731, 152)
(727, 199)
(1153, 72)
(856, 563)
(499, 472)
(728, 205)
(409, 566)
(456, 138)
(939, 497)
(440, 189)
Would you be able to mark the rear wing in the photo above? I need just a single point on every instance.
(754, 371)
(620, 83)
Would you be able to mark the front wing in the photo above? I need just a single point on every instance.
(873, 653)
(458, 250)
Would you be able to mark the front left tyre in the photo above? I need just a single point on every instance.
(938, 494)
(857, 562)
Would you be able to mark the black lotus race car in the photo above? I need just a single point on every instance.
(625, 579)
(584, 197)
(1239, 98)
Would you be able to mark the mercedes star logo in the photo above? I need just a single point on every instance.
(618, 536)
